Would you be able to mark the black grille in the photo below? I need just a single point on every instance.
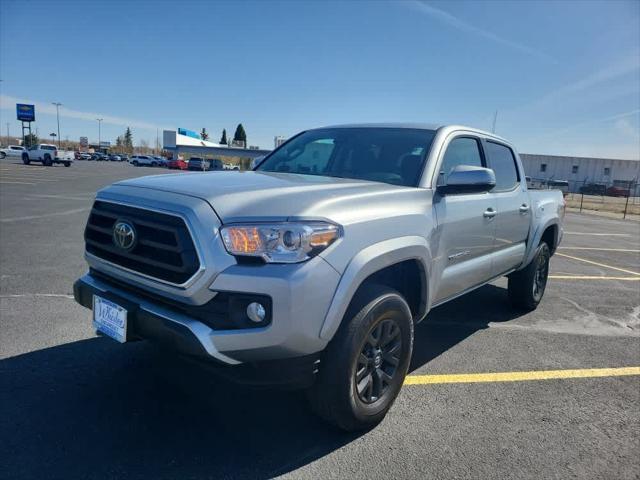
(164, 247)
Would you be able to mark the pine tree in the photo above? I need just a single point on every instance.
(128, 139)
(240, 135)
(31, 139)
(223, 139)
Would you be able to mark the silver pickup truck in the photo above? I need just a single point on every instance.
(313, 269)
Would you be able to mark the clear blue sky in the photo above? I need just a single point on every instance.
(564, 76)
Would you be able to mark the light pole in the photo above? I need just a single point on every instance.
(99, 132)
(7, 132)
(58, 105)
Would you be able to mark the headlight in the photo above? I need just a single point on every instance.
(279, 242)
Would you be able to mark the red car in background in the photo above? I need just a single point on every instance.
(178, 164)
(616, 191)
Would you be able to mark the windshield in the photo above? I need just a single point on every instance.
(389, 155)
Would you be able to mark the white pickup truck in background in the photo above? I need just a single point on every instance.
(47, 154)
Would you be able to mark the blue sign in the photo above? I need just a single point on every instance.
(188, 133)
(26, 113)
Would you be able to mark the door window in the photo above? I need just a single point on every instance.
(503, 163)
(461, 151)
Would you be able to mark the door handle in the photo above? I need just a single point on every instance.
(489, 213)
(524, 209)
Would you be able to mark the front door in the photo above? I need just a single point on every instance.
(466, 226)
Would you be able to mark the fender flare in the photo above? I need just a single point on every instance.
(368, 261)
(537, 236)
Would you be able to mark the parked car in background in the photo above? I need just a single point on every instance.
(124, 158)
(47, 154)
(84, 156)
(177, 164)
(198, 163)
(162, 162)
(114, 158)
(616, 191)
(12, 151)
(561, 185)
(216, 164)
(593, 189)
(143, 160)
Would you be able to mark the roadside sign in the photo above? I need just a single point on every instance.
(105, 144)
(26, 113)
(84, 142)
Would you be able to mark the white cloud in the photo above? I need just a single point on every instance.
(626, 128)
(448, 19)
(8, 102)
(613, 71)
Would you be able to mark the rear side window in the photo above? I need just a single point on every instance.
(503, 163)
(48, 147)
(461, 151)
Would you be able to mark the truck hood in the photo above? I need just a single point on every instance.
(241, 195)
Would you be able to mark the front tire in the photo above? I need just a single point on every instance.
(365, 364)
(527, 286)
(134, 163)
(25, 159)
(67, 164)
(2, 155)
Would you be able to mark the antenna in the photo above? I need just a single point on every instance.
(495, 119)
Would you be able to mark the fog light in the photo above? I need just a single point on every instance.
(256, 312)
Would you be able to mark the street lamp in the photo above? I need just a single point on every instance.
(99, 132)
(58, 105)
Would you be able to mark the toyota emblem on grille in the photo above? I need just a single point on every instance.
(124, 235)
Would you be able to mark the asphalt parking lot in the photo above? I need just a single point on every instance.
(78, 406)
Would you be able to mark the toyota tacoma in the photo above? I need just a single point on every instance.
(312, 270)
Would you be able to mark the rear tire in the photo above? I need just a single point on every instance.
(154, 164)
(25, 159)
(365, 364)
(67, 164)
(47, 161)
(527, 286)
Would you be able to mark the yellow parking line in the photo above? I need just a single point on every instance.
(592, 277)
(598, 264)
(520, 376)
(632, 250)
(599, 234)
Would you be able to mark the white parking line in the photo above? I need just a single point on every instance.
(16, 183)
(46, 215)
(631, 250)
(598, 264)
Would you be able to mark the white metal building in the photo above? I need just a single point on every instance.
(582, 170)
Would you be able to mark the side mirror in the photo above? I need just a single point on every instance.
(468, 179)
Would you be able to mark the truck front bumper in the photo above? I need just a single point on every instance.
(297, 298)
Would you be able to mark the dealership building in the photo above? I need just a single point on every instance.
(186, 143)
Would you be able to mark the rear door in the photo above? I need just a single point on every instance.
(466, 225)
(512, 206)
